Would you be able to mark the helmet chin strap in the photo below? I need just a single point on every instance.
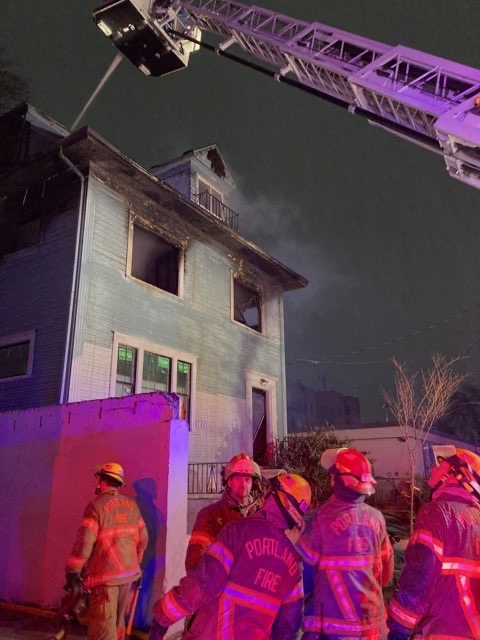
(289, 519)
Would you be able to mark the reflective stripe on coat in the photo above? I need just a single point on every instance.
(439, 589)
(110, 542)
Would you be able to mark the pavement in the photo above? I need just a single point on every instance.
(21, 622)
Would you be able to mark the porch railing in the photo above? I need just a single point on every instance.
(205, 478)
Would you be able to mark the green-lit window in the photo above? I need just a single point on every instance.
(126, 368)
(184, 373)
(14, 359)
(156, 372)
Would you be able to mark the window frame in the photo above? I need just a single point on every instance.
(249, 285)
(134, 220)
(15, 338)
(211, 187)
(141, 345)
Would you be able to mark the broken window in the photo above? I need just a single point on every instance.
(247, 305)
(154, 260)
(14, 359)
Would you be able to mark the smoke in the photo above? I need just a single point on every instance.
(281, 229)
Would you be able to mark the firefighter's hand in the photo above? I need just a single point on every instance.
(157, 632)
(72, 581)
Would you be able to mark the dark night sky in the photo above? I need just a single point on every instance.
(386, 238)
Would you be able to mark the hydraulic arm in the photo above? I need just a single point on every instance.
(429, 100)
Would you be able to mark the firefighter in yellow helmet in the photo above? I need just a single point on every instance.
(346, 541)
(243, 489)
(248, 585)
(439, 588)
(107, 553)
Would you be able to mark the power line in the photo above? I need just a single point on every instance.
(337, 358)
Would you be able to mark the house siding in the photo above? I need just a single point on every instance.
(199, 323)
(39, 302)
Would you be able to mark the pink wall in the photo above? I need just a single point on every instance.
(47, 458)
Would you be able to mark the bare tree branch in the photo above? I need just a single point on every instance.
(418, 401)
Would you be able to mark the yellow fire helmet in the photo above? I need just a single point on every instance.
(111, 470)
(294, 494)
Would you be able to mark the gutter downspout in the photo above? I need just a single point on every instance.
(73, 306)
(283, 368)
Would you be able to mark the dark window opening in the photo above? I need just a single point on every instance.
(247, 306)
(14, 359)
(259, 421)
(155, 260)
(126, 370)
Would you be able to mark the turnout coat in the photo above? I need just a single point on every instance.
(351, 554)
(248, 585)
(110, 542)
(439, 589)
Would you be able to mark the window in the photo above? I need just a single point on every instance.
(156, 372)
(142, 367)
(247, 306)
(126, 365)
(209, 198)
(16, 355)
(154, 260)
(183, 388)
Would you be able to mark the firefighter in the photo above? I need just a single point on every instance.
(346, 541)
(248, 584)
(439, 588)
(107, 553)
(243, 489)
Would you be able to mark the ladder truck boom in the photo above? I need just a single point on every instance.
(429, 100)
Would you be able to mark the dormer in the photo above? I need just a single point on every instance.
(202, 176)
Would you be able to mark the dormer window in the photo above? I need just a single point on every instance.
(209, 198)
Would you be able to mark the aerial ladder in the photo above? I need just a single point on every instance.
(428, 100)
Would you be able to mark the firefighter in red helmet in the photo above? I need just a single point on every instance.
(243, 489)
(107, 553)
(439, 588)
(346, 541)
(248, 585)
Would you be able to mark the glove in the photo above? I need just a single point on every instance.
(157, 632)
(395, 635)
(72, 581)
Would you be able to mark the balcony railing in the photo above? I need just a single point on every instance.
(208, 201)
(205, 478)
(182, 182)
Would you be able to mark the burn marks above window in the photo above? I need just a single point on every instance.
(247, 305)
(155, 260)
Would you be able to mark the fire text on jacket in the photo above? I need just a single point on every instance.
(271, 547)
(118, 501)
(345, 520)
